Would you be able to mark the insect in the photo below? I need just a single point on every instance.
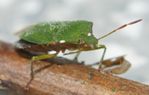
(75, 36)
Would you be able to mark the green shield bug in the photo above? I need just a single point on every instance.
(75, 36)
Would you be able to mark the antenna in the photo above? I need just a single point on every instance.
(121, 27)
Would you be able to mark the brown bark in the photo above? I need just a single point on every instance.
(56, 79)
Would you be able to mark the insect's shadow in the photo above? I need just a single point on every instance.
(57, 60)
(51, 61)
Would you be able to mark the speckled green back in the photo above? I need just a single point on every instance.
(44, 33)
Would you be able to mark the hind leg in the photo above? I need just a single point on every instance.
(38, 58)
(76, 56)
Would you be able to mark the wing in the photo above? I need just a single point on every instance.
(44, 33)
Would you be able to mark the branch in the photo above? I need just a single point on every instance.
(64, 79)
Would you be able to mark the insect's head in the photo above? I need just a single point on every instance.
(91, 41)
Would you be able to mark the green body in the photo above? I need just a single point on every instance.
(53, 32)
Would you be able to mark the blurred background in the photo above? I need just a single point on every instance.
(106, 16)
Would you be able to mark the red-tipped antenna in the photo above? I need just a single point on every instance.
(123, 26)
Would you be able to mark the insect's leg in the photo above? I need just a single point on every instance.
(71, 52)
(38, 58)
(76, 56)
(103, 55)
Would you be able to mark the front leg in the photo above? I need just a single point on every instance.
(84, 49)
(103, 55)
(76, 56)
